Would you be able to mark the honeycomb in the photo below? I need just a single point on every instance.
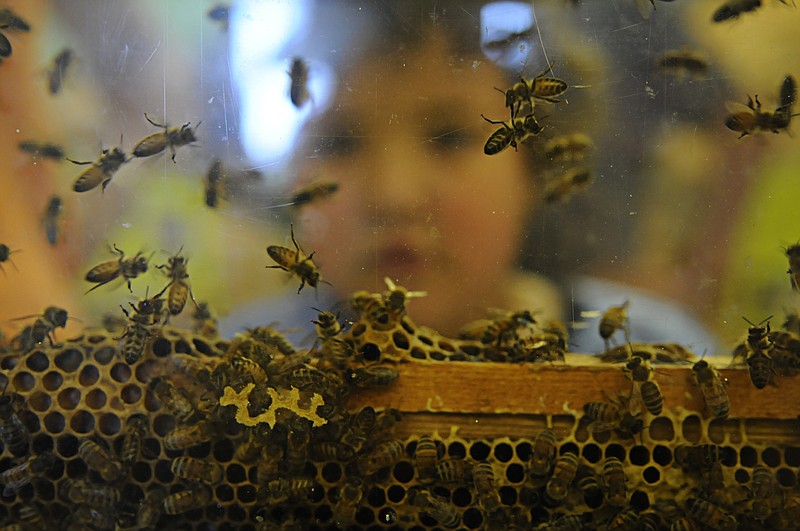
(193, 436)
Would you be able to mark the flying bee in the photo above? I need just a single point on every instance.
(150, 507)
(732, 9)
(613, 319)
(712, 388)
(296, 263)
(589, 483)
(759, 356)
(197, 470)
(426, 460)
(683, 63)
(216, 186)
(170, 137)
(55, 76)
(565, 185)
(485, 486)
(45, 150)
(543, 453)
(51, 220)
(750, 119)
(11, 21)
(443, 512)
(615, 481)
(92, 494)
(13, 433)
(101, 170)
(384, 455)
(641, 374)
(568, 148)
(132, 445)
(709, 514)
(298, 91)
(179, 288)
(763, 492)
(98, 459)
(195, 497)
(187, 436)
(175, 399)
(350, 495)
(793, 254)
(372, 376)
(314, 192)
(607, 416)
(17, 477)
(564, 472)
(220, 13)
(127, 268)
(280, 490)
(5, 256)
(511, 133)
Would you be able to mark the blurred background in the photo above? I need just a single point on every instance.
(680, 207)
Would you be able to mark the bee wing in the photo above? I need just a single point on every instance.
(635, 403)
(591, 314)
(598, 426)
(735, 107)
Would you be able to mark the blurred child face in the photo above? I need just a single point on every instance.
(418, 201)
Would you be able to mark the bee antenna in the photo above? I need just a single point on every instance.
(751, 323)
(765, 320)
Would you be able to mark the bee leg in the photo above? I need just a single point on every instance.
(78, 162)
(302, 284)
(296, 246)
(152, 122)
(172, 150)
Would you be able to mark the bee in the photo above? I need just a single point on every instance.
(43, 327)
(187, 436)
(443, 512)
(589, 483)
(712, 388)
(543, 453)
(615, 318)
(607, 416)
(17, 477)
(215, 187)
(783, 114)
(131, 446)
(793, 254)
(280, 490)
(485, 486)
(562, 187)
(539, 88)
(92, 494)
(298, 91)
(296, 455)
(98, 459)
(568, 148)
(101, 170)
(5, 256)
(426, 460)
(55, 76)
(763, 491)
(295, 262)
(451, 470)
(511, 133)
(272, 337)
(195, 497)
(314, 192)
(45, 150)
(564, 472)
(87, 517)
(751, 119)
(734, 8)
(175, 399)
(641, 374)
(148, 312)
(220, 13)
(51, 220)
(179, 288)
(13, 433)
(625, 520)
(759, 356)
(500, 331)
(355, 437)
(204, 321)
(271, 457)
(197, 470)
(710, 515)
(127, 268)
(699, 457)
(684, 524)
(372, 376)
(394, 300)
(384, 455)
(150, 508)
(683, 63)
(171, 137)
(11, 21)
(248, 369)
(615, 481)
(350, 495)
